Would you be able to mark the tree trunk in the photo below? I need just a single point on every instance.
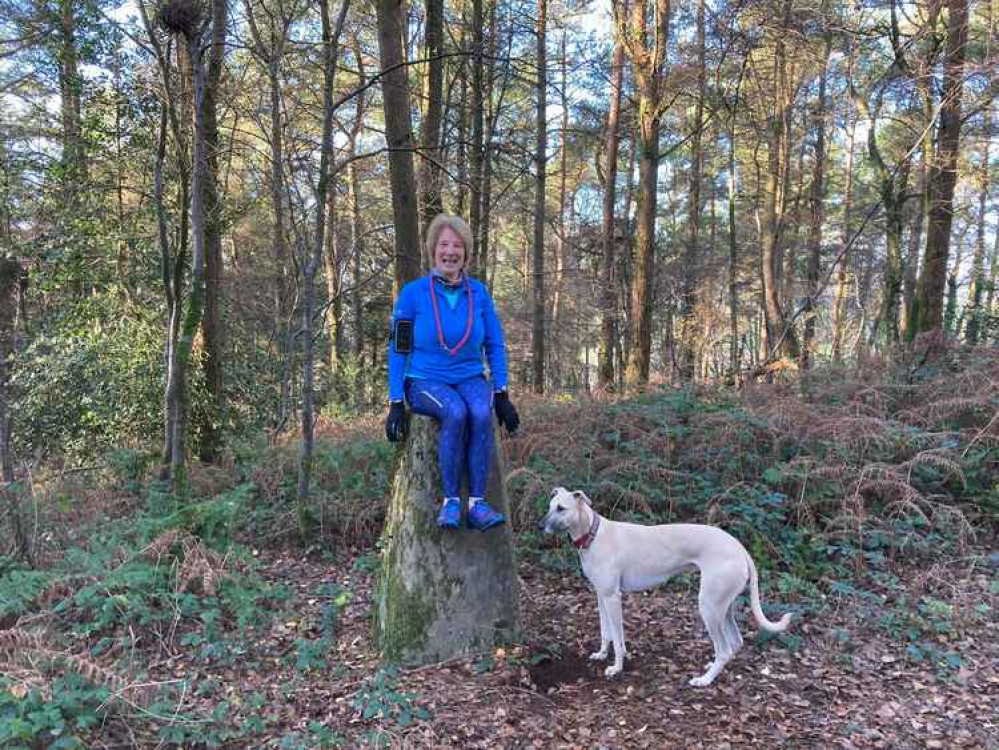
(10, 274)
(475, 155)
(399, 137)
(733, 250)
(781, 338)
(488, 258)
(647, 53)
(190, 319)
(333, 267)
(70, 85)
(211, 418)
(951, 322)
(356, 229)
(978, 260)
(311, 261)
(689, 334)
(928, 312)
(817, 195)
(461, 157)
(558, 354)
(441, 594)
(271, 56)
(430, 137)
(843, 268)
(627, 263)
(990, 292)
(538, 249)
(608, 269)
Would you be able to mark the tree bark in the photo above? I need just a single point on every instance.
(441, 594)
(608, 269)
(190, 318)
(647, 53)
(928, 312)
(10, 274)
(487, 256)
(733, 250)
(430, 137)
(399, 137)
(781, 337)
(356, 227)
(211, 424)
(540, 166)
(475, 153)
(951, 323)
(843, 268)
(312, 260)
(978, 259)
(271, 54)
(817, 195)
(334, 257)
(689, 334)
(557, 354)
(70, 87)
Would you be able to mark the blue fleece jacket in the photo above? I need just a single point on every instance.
(427, 359)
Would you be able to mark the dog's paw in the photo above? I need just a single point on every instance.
(702, 681)
(599, 655)
(612, 670)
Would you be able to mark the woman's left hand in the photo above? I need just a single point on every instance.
(505, 412)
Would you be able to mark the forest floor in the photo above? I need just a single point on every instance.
(870, 503)
(846, 679)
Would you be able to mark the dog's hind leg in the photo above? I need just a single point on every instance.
(715, 600)
(605, 632)
(732, 634)
(714, 621)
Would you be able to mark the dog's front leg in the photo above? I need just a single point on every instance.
(605, 632)
(612, 607)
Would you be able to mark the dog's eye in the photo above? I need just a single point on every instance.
(560, 509)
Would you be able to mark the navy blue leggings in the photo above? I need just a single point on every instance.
(464, 412)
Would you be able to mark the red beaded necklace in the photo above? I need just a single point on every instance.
(437, 318)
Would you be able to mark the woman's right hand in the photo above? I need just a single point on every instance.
(395, 422)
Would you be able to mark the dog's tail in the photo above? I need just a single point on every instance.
(754, 602)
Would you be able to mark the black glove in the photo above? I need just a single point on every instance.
(395, 422)
(505, 412)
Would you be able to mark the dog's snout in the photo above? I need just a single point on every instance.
(542, 525)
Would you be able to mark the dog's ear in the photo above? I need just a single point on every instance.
(580, 496)
(556, 490)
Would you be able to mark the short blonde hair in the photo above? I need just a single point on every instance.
(455, 224)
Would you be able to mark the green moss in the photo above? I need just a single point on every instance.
(403, 618)
(408, 617)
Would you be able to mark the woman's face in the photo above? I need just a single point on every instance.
(449, 254)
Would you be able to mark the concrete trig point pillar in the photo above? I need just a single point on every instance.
(439, 593)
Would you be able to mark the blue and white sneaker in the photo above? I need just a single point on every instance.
(482, 517)
(450, 514)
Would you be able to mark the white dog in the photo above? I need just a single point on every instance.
(620, 557)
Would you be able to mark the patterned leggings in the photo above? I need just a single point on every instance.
(464, 411)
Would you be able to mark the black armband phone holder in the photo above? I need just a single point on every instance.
(402, 336)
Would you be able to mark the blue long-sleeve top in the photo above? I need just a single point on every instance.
(428, 360)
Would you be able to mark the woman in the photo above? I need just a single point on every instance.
(442, 325)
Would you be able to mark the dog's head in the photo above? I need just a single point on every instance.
(565, 511)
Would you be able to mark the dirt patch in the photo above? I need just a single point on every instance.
(550, 672)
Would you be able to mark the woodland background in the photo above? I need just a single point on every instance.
(745, 254)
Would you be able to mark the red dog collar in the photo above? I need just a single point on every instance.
(587, 539)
